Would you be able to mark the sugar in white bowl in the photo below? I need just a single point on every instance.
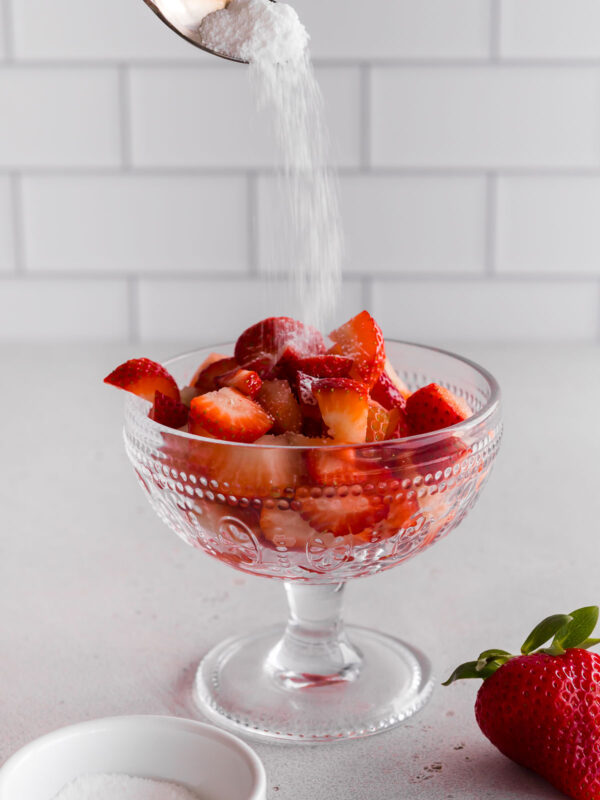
(123, 787)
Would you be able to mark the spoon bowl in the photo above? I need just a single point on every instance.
(185, 17)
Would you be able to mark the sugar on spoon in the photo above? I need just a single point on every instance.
(185, 16)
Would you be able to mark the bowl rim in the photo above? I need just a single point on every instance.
(232, 742)
(137, 404)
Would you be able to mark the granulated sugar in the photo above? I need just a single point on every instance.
(123, 787)
(305, 233)
(252, 30)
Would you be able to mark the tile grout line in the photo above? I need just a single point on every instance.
(364, 124)
(178, 172)
(16, 192)
(491, 218)
(252, 215)
(9, 28)
(495, 30)
(427, 62)
(133, 296)
(598, 330)
(124, 101)
(356, 278)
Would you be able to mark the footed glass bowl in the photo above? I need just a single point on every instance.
(269, 511)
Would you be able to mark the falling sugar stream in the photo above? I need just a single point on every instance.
(305, 240)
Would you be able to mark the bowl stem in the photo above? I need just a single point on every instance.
(314, 649)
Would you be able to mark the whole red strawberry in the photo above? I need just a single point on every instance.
(542, 708)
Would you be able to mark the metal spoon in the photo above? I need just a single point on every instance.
(184, 17)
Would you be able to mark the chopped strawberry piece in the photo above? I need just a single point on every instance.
(433, 407)
(342, 515)
(361, 340)
(344, 406)
(278, 400)
(289, 362)
(206, 380)
(143, 377)
(249, 472)
(166, 411)
(308, 402)
(230, 415)
(244, 380)
(327, 366)
(314, 427)
(285, 528)
(390, 391)
(398, 426)
(211, 359)
(337, 467)
(266, 341)
(378, 422)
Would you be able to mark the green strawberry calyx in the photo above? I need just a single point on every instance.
(565, 630)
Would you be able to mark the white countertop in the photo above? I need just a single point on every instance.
(104, 611)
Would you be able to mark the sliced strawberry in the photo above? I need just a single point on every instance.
(230, 415)
(433, 407)
(342, 515)
(249, 472)
(285, 528)
(144, 378)
(403, 509)
(344, 406)
(278, 400)
(244, 380)
(326, 366)
(314, 427)
(390, 391)
(398, 426)
(308, 402)
(337, 467)
(266, 341)
(211, 359)
(361, 340)
(378, 422)
(166, 411)
(206, 380)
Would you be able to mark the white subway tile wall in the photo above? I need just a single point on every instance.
(136, 177)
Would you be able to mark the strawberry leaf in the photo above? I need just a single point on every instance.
(547, 628)
(573, 633)
(471, 670)
(589, 643)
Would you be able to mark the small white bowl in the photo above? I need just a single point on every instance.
(218, 765)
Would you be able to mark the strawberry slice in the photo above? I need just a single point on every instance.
(326, 366)
(398, 425)
(344, 406)
(264, 471)
(206, 380)
(244, 380)
(278, 400)
(210, 359)
(390, 391)
(264, 343)
(285, 528)
(361, 340)
(143, 377)
(166, 411)
(337, 467)
(228, 414)
(433, 407)
(308, 402)
(342, 515)
(378, 422)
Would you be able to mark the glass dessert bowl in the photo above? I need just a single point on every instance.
(265, 511)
